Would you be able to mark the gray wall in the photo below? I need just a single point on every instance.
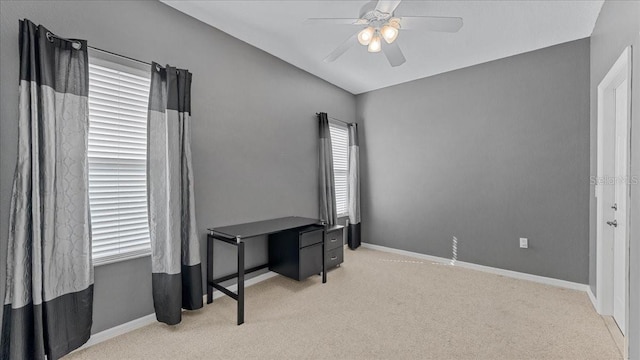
(488, 154)
(254, 128)
(618, 26)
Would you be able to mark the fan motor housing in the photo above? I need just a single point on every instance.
(368, 12)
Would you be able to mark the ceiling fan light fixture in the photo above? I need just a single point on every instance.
(375, 45)
(365, 36)
(390, 30)
(389, 33)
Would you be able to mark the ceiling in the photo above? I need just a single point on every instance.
(491, 30)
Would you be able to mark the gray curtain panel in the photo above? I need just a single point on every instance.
(328, 211)
(175, 250)
(353, 188)
(49, 292)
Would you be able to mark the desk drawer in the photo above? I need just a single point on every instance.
(311, 237)
(334, 257)
(310, 261)
(334, 239)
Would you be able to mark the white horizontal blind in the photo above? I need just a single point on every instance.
(118, 102)
(340, 148)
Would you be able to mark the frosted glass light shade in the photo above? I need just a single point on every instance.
(365, 36)
(389, 33)
(375, 45)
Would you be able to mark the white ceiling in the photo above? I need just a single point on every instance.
(491, 30)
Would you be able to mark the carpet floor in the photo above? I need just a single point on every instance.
(381, 306)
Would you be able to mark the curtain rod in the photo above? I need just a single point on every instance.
(51, 35)
(118, 55)
(332, 118)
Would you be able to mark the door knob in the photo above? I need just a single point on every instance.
(615, 207)
(613, 223)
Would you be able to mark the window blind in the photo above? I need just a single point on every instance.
(117, 145)
(340, 148)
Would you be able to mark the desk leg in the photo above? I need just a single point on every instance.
(240, 283)
(209, 269)
(324, 269)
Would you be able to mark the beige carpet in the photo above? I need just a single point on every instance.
(385, 306)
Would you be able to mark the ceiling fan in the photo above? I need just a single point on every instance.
(381, 26)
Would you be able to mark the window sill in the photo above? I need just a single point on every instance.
(119, 258)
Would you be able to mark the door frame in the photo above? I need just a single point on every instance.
(604, 249)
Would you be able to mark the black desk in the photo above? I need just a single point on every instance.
(236, 235)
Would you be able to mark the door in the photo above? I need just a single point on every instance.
(612, 191)
(620, 206)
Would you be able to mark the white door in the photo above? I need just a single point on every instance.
(612, 265)
(620, 207)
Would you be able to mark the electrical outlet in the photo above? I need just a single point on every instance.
(524, 243)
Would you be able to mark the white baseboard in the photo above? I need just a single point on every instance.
(118, 330)
(151, 318)
(508, 273)
(592, 297)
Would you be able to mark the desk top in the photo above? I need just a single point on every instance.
(264, 227)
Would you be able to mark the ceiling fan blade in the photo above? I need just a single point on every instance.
(433, 23)
(393, 53)
(387, 6)
(337, 52)
(333, 21)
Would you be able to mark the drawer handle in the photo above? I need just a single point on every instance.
(334, 240)
(334, 258)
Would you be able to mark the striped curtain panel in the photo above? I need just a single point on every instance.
(49, 291)
(175, 250)
(328, 211)
(353, 188)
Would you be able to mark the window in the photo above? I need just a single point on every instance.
(340, 148)
(117, 144)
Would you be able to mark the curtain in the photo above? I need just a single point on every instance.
(175, 249)
(353, 188)
(328, 211)
(49, 291)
